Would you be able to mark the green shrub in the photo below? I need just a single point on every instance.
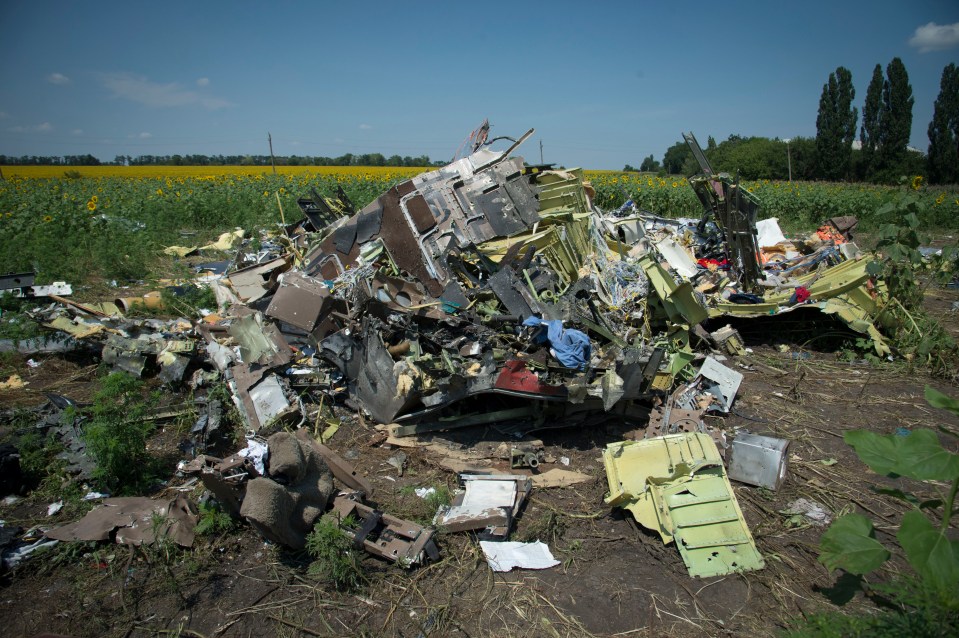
(117, 433)
(334, 558)
(213, 520)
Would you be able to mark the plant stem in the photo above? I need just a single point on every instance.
(950, 500)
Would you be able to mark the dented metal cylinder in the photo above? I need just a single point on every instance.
(758, 460)
(149, 301)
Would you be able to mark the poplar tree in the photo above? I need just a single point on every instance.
(869, 133)
(895, 118)
(836, 125)
(943, 160)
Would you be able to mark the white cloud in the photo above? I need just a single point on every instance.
(138, 88)
(935, 37)
(203, 82)
(365, 127)
(58, 78)
(77, 131)
(44, 127)
(145, 135)
(4, 115)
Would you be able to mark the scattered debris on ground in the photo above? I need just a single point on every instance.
(485, 295)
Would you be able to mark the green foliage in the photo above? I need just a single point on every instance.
(916, 335)
(870, 133)
(58, 229)
(37, 452)
(917, 456)
(909, 609)
(927, 605)
(675, 158)
(943, 161)
(116, 435)
(836, 125)
(188, 300)
(649, 164)
(213, 520)
(849, 543)
(895, 120)
(334, 558)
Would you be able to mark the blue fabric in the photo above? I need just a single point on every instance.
(570, 347)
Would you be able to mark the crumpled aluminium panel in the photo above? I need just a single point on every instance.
(676, 485)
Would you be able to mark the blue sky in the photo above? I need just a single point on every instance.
(603, 83)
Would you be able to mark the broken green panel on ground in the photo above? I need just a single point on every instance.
(677, 486)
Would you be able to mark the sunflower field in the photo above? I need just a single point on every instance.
(113, 222)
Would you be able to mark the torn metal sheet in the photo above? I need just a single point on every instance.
(134, 521)
(17, 280)
(260, 343)
(269, 399)
(255, 281)
(726, 379)
(487, 503)
(299, 301)
(676, 485)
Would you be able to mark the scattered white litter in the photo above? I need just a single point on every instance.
(502, 557)
(424, 492)
(53, 508)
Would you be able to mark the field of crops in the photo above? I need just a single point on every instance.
(114, 221)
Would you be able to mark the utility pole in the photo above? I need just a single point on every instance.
(269, 138)
(541, 152)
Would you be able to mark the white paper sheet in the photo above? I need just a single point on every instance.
(502, 557)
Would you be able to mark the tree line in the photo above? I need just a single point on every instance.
(881, 154)
(348, 159)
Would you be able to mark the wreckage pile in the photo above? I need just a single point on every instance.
(490, 292)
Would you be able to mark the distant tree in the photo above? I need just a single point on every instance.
(836, 125)
(869, 133)
(629, 168)
(649, 164)
(675, 158)
(895, 120)
(943, 161)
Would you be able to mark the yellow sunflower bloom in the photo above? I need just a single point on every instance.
(91, 205)
(47, 219)
(917, 182)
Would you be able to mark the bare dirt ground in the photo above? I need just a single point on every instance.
(615, 579)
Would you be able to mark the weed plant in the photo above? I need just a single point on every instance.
(334, 558)
(116, 435)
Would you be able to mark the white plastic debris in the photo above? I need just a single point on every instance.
(768, 232)
(504, 556)
(256, 452)
(33, 364)
(94, 496)
(53, 508)
(424, 492)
